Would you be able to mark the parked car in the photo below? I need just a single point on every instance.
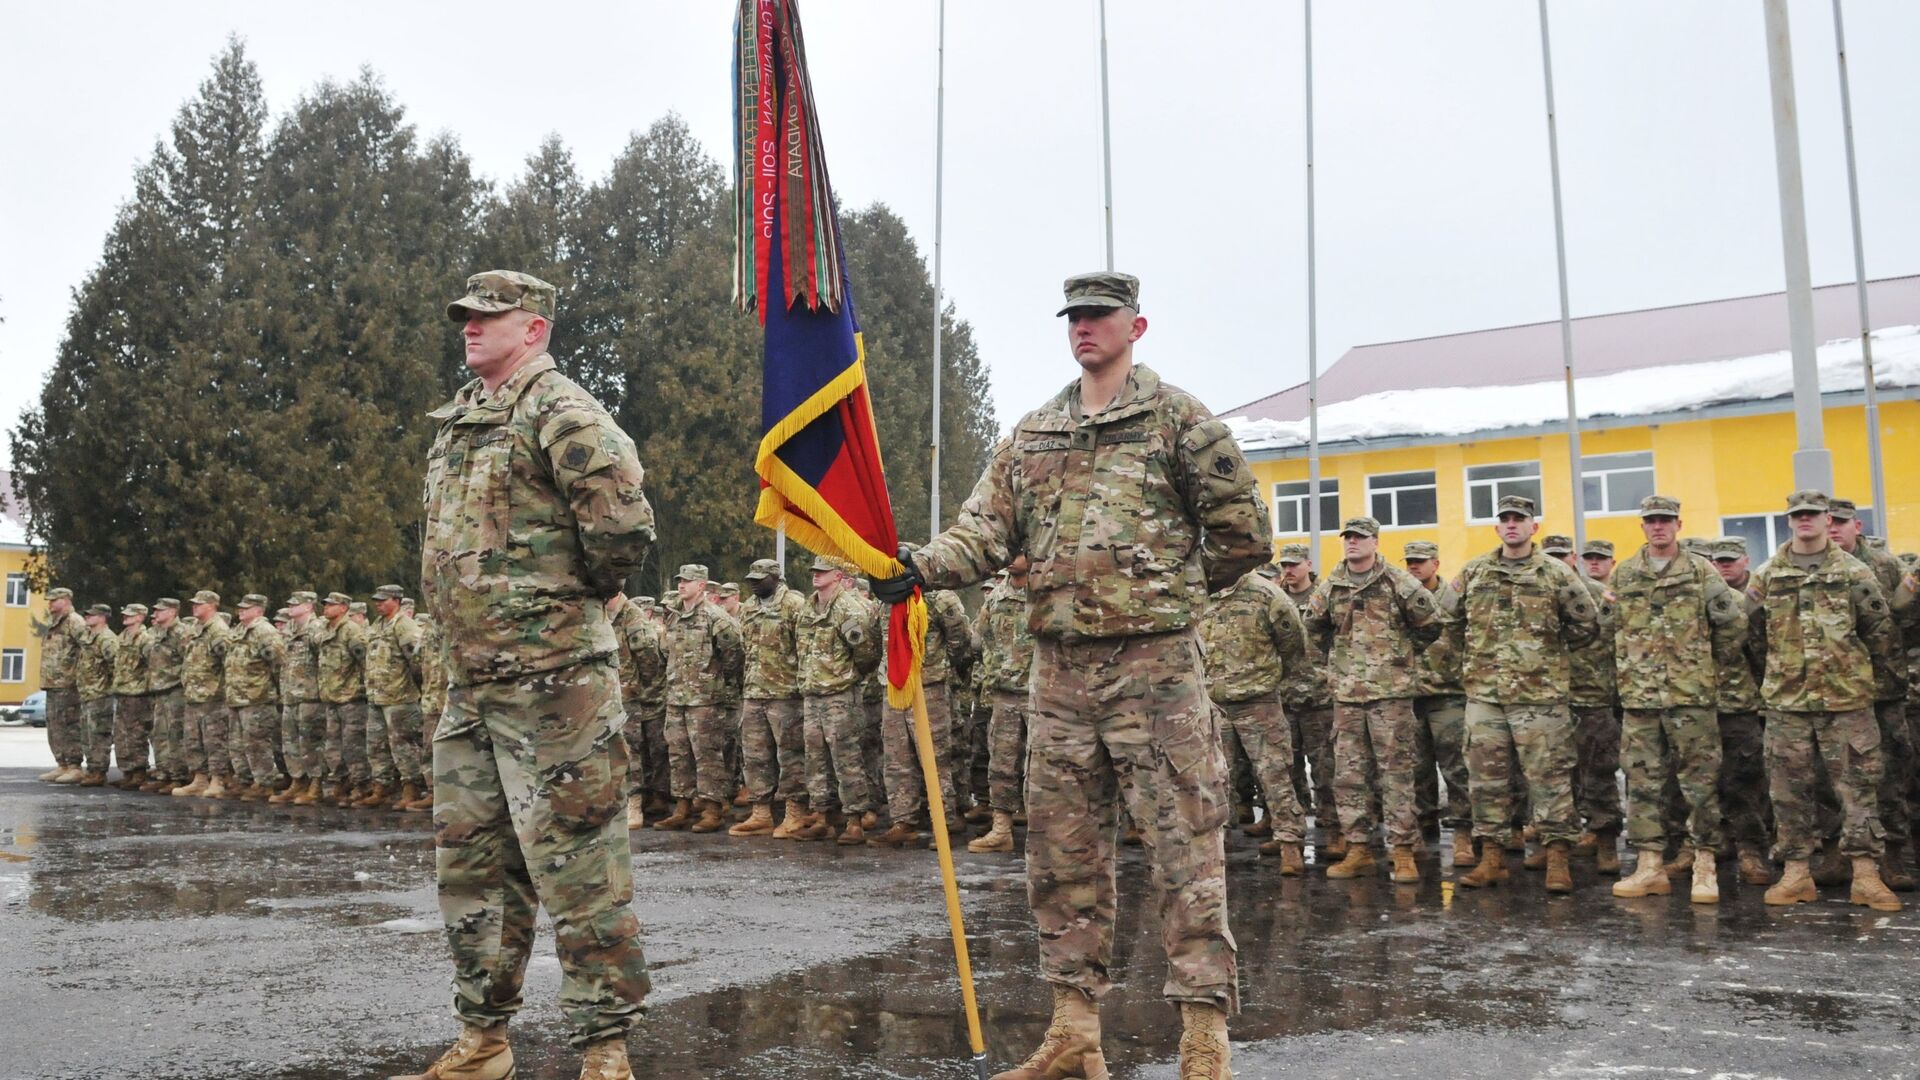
(34, 709)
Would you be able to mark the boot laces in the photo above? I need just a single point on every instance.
(1203, 1055)
(1056, 1039)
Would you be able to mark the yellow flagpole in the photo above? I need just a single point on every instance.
(937, 810)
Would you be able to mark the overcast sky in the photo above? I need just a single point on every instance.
(1434, 204)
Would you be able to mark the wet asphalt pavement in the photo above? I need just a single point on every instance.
(142, 936)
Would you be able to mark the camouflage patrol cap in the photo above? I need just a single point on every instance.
(693, 571)
(281, 615)
(207, 596)
(647, 601)
(1361, 526)
(134, 609)
(1102, 289)
(358, 607)
(59, 594)
(1659, 506)
(338, 598)
(1420, 549)
(254, 599)
(302, 596)
(730, 589)
(167, 602)
(828, 562)
(1842, 509)
(1698, 545)
(1601, 548)
(100, 609)
(494, 291)
(389, 592)
(763, 568)
(1292, 553)
(1729, 547)
(1557, 544)
(1515, 504)
(1808, 499)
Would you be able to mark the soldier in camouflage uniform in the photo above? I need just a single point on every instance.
(340, 654)
(773, 744)
(535, 516)
(1252, 639)
(1309, 704)
(255, 653)
(203, 709)
(166, 645)
(629, 626)
(948, 648)
(303, 725)
(433, 695)
(1005, 634)
(93, 683)
(1889, 700)
(1521, 613)
(1676, 624)
(1592, 699)
(838, 648)
(1373, 619)
(132, 708)
(393, 690)
(1132, 503)
(703, 644)
(1827, 626)
(1745, 813)
(649, 642)
(61, 638)
(1440, 712)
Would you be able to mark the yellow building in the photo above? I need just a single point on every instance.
(19, 606)
(1690, 401)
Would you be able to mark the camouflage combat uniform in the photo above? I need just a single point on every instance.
(1890, 703)
(66, 729)
(838, 648)
(132, 707)
(433, 689)
(303, 726)
(1251, 639)
(534, 517)
(1129, 517)
(1744, 807)
(393, 689)
(1674, 626)
(1374, 625)
(773, 745)
(648, 642)
(1826, 627)
(949, 646)
(1440, 731)
(340, 654)
(633, 633)
(1592, 698)
(166, 650)
(702, 644)
(1308, 700)
(255, 652)
(1006, 656)
(93, 661)
(1515, 626)
(202, 669)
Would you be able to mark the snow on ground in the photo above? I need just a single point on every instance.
(1462, 410)
(24, 748)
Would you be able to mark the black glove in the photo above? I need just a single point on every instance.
(898, 589)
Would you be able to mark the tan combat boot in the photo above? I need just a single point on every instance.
(742, 797)
(375, 797)
(156, 784)
(978, 813)
(1682, 863)
(1868, 889)
(898, 835)
(1334, 849)
(758, 823)
(216, 789)
(1794, 887)
(636, 812)
(679, 819)
(997, 839)
(607, 1060)
(1205, 1053)
(69, 774)
(1753, 868)
(1828, 866)
(713, 817)
(1405, 871)
(1536, 859)
(196, 786)
(256, 793)
(1359, 861)
(1263, 827)
(1706, 878)
(288, 794)
(1649, 878)
(1492, 869)
(1606, 852)
(53, 774)
(398, 800)
(1463, 853)
(1586, 844)
(1559, 874)
(852, 834)
(480, 1053)
(1071, 1047)
(791, 821)
(308, 795)
(131, 781)
(1293, 856)
(815, 827)
(91, 779)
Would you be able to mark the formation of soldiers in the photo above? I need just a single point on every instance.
(1382, 702)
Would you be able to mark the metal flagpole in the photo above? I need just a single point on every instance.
(780, 548)
(1812, 461)
(1876, 471)
(1106, 132)
(939, 178)
(1566, 317)
(1313, 330)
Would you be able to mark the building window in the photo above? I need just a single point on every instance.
(16, 590)
(1615, 483)
(1764, 533)
(1404, 498)
(1488, 484)
(1291, 505)
(13, 665)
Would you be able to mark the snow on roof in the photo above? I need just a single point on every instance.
(13, 518)
(1463, 410)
